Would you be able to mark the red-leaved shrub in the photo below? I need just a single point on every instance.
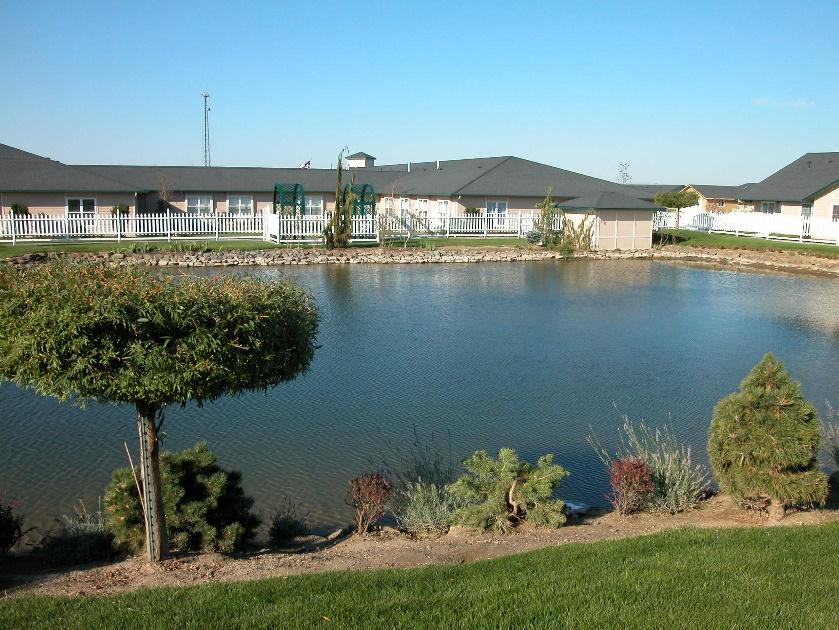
(368, 495)
(631, 484)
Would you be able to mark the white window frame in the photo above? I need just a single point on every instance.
(835, 215)
(443, 208)
(496, 203)
(81, 212)
(238, 209)
(806, 210)
(404, 207)
(198, 206)
(766, 205)
(422, 208)
(721, 203)
(308, 206)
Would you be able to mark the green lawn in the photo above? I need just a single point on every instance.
(692, 238)
(23, 247)
(785, 577)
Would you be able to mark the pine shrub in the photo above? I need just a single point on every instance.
(764, 441)
(206, 508)
(501, 493)
(11, 524)
(632, 484)
(368, 494)
(79, 538)
(425, 508)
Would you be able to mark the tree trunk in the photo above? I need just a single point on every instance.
(678, 213)
(776, 510)
(157, 541)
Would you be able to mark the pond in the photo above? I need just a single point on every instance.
(534, 356)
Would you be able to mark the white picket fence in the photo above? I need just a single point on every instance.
(169, 226)
(270, 227)
(754, 224)
(309, 229)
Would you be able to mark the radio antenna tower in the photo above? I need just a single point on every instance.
(206, 128)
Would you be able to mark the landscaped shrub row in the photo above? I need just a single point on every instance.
(763, 446)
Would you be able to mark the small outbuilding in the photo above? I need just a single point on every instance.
(620, 221)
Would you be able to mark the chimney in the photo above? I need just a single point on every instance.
(409, 167)
(438, 165)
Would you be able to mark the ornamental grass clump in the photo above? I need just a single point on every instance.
(425, 508)
(287, 524)
(80, 538)
(677, 483)
(206, 508)
(764, 442)
(369, 495)
(504, 492)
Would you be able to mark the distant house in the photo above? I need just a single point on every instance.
(807, 187)
(493, 187)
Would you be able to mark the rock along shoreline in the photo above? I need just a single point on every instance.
(785, 261)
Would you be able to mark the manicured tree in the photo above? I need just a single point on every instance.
(677, 199)
(338, 230)
(128, 335)
(764, 441)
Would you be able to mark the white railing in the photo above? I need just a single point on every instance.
(305, 229)
(169, 225)
(755, 224)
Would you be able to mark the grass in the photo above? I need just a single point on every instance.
(727, 578)
(693, 238)
(23, 247)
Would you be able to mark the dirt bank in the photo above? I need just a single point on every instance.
(383, 549)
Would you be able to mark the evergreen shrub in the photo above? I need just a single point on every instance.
(764, 441)
(502, 493)
(206, 508)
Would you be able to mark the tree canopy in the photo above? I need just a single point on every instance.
(127, 334)
(677, 199)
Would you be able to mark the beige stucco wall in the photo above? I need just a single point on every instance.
(624, 229)
(823, 206)
(55, 204)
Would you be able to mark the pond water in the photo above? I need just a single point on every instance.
(529, 355)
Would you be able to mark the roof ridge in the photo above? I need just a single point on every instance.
(472, 181)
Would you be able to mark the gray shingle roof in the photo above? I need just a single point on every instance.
(26, 172)
(209, 179)
(359, 156)
(712, 191)
(798, 181)
(652, 189)
(608, 201)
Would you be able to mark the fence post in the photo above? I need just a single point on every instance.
(168, 224)
(486, 225)
(119, 228)
(216, 213)
(12, 214)
(448, 226)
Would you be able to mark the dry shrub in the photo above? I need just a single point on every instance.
(369, 495)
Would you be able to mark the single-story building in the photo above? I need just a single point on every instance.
(806, 187)
(491, 187)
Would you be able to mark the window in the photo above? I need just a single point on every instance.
(199, 204)
(443, 208)
(835, 215)
(404, 207)
(77, 207)
(314, 205)
(768, 207)
(806, 210)
(240, 204)
(496, 207)
(422, 208)
(721, 203)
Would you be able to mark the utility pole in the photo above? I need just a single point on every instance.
(206, 128)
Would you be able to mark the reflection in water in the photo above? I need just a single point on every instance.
(497, 354)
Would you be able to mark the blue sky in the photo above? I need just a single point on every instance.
(703, 92)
